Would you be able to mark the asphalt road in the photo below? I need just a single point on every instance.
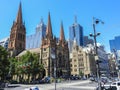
(73, 85)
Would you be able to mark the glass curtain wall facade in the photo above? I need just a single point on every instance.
(75, 31)
(115, 43)
(4, 42)
(35, 40)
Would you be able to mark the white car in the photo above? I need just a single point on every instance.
(113, 86)
(116, 84)
(109, 87)
(32, 88)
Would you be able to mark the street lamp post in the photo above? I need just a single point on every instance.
(53, 56)
(94, 35)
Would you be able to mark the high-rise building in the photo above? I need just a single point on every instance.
(35, 40)
(17, 35)
(4, 42)
(75, 31)
(103, 56)
(87, 41)
(115, 43)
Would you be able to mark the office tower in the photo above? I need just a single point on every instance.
(75, 31)
(115, 43)
(4, 42)
(35, 40)
(87, 41)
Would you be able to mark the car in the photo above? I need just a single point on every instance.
(41, 81)
(47, 79)
(35, 81)
(66, 77)
(92, 79)
(32, 88)
(116, 83)
(109, 87)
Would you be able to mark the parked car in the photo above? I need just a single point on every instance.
(92, 79)
(74, 77)
(45, 80)
(35, 81)
(14, 82)
(65, 77)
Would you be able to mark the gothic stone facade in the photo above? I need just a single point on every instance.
(54, 55)
(82, 62)
(17, 35)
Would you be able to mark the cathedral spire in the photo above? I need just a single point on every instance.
(49, 28)
(62, 36)
(19, 15)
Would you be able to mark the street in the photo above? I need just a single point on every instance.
(67, 85)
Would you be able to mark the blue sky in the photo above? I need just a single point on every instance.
(64, 10)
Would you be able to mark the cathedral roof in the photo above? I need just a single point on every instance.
(35, 50)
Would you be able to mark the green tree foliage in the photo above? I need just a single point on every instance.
(81, 73)
(4, 63)
(28, 64)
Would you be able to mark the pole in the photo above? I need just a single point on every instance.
(97, 62)
(55, 72)
(95, 38)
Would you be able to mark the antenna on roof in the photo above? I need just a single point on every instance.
(75, 17)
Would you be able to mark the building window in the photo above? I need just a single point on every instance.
(75, 65)
(11, 44)
(80, 51)
(74, 55)
(44, 49)
(20, 45)
(75, 70)
(74, 60)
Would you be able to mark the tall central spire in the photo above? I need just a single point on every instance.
(49, 28)
(62, 36)
(19, 15)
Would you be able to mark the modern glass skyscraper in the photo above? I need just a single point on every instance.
(75, 31)
(35, 40)
(87, 40)
(115, 43)
(4, 42)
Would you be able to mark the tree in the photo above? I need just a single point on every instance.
(4, 63)
(28, 64)
(12, 69)
(81, 73)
